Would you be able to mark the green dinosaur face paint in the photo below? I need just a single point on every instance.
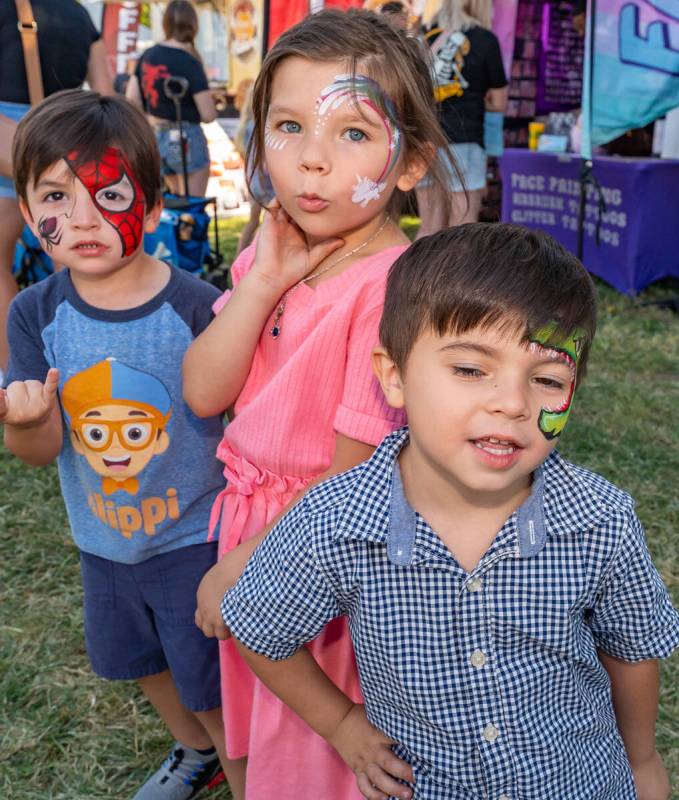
(552, 421)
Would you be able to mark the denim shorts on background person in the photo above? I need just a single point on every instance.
(15, 111)
(471, 161)
(197, 153)
(139, 620)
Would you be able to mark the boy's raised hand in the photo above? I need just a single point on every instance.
(283, 254)
(367, 751)
(25, 404)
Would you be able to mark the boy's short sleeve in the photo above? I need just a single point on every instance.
(239, 268)
(26, 350)
(363, 413)
(633, 618)
(282, 600)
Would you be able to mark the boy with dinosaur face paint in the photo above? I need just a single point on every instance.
(504, 610)
(95, 381)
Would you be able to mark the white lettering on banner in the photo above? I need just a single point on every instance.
(127, 18)
(536, 217)
(535, 183)
(539, 195)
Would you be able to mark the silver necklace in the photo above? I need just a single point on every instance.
(275, 330)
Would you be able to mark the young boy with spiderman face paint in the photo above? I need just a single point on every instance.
(504, 610)
(95, 381)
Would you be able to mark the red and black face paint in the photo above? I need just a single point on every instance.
(116, 193)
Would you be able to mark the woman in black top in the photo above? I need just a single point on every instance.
(469, 80)
(176, 57)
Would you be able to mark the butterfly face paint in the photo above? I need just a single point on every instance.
(552, 421)
(361, 89)
(116, 194)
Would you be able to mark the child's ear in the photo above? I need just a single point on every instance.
(389, 376)
(415, 169)
(28, 219)
(152, 217)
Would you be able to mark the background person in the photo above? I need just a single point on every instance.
(176, 56)
(470, 80)
(71, 51)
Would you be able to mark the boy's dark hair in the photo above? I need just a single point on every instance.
(487, 275)
(392, 8)
(87, 123)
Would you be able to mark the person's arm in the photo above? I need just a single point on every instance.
(8, 128)
(303, 686)
(220, 578)
(133, 92)
(32, 420)
(217, 363)
(635, 689)
(98, 76)
(496, 99)
(205, 104)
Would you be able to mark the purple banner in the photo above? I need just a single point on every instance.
(561, 56)
(639, 234)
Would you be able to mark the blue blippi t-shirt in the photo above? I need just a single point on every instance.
(138, 469)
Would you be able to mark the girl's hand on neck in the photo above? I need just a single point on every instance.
(283, 255)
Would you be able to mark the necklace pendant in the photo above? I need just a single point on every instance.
(275, 331)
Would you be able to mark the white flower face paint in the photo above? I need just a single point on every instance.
(365, 190)
(362, 89)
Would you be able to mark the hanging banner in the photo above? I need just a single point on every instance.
(632, 64)
(120, 24)
(561, 55)
(283, 14)
(246, 22)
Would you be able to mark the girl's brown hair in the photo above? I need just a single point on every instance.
(180, 22)
(369, 45)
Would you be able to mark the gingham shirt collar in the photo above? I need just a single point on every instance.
(388, 519)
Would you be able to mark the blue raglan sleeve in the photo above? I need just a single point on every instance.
(283, 599)
(193, 301)
(26, 349)
(633, 617)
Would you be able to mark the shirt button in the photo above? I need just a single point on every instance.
(474, 584)
(504, 797)
(490, 733)
(478, 659)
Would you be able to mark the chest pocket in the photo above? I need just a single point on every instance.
(542, 602)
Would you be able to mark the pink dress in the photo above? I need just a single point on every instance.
(314, 380)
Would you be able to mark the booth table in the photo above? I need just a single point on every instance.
(639, 232)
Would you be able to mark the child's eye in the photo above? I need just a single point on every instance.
(53, 197)
(289, 126)
(467, 372)
(550, 383)
(355, 135)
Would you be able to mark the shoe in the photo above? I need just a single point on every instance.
(181, 776)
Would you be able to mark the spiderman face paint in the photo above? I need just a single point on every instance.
(552, 421)
(116, 193)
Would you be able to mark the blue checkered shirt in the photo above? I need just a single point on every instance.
(489, 680)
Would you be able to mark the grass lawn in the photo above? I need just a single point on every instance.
(66, 734)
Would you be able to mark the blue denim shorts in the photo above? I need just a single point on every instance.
(15, 111)
(169, 144)
(139, 621)
(471, 161)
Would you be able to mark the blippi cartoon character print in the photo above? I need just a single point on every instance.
(118, 417)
